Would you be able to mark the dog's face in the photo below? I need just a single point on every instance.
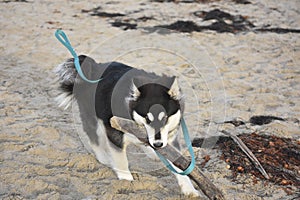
(158, 107)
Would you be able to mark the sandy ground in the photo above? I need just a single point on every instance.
(223, 75)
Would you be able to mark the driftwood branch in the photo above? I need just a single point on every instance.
(172, 154)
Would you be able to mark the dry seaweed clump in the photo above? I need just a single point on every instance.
(280, 157)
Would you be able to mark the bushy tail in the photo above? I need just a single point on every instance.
(67, 73)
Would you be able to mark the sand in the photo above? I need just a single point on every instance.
(224, 76)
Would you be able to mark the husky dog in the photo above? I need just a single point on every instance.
(152, 101)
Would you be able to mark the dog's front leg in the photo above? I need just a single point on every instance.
(185, 184)
(119, 163)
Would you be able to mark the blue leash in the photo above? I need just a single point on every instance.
(187, 140)
(62, 37)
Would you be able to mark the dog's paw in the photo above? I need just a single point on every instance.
(193, 193)
(125, 176)
(186, 186)
(189, 191)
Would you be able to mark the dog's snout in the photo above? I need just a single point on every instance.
(157, 136)
(158, 144)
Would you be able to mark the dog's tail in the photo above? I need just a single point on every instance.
(67, 74)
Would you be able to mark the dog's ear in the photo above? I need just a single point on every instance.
(174, 90)
(134, 91)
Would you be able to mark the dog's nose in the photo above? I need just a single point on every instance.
(158, 144)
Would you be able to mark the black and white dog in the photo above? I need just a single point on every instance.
(152, 101)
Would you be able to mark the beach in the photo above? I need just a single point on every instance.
(234, 60)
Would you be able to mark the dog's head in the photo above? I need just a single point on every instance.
(158, 106)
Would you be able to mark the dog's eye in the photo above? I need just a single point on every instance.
(165, 118)
(148, 120)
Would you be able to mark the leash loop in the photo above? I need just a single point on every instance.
(62, 37)
(187, 140)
